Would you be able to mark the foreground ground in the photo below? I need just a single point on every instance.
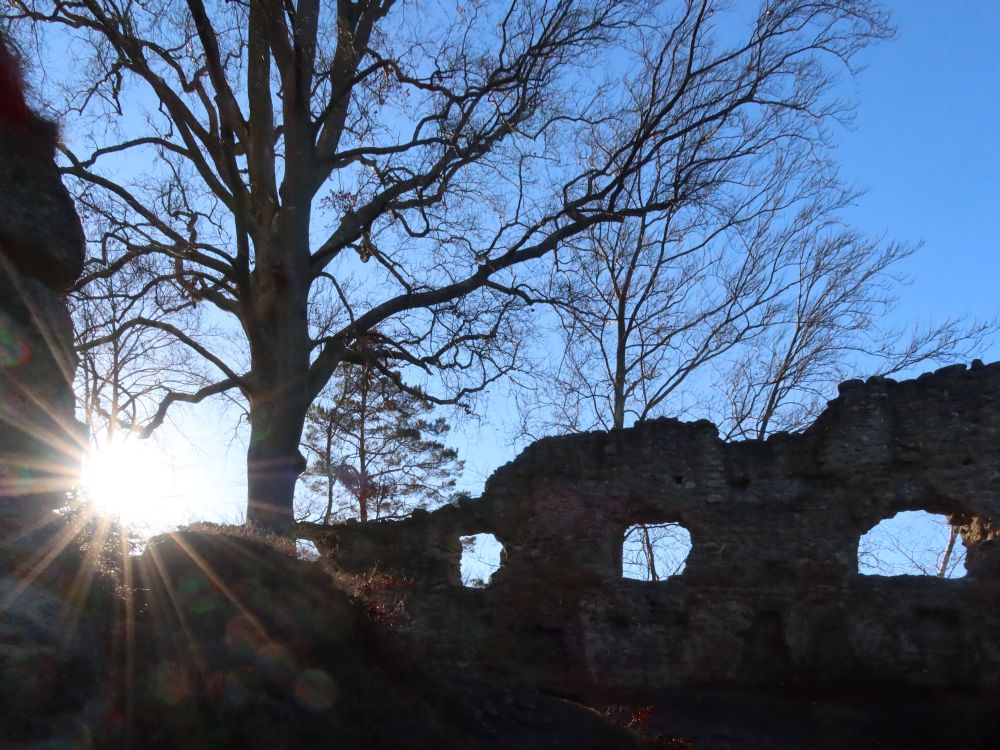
(212, 641)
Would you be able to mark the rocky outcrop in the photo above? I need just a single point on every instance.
(51, 649)
(41, 254)
(771, 593)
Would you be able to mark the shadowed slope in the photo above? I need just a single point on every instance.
(236, 645)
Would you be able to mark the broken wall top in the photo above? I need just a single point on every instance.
(792, 503)
(771, 591)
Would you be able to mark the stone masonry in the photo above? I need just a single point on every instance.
(771, 593)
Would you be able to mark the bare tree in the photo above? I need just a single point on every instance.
(649, 302)
(758, 291)
(831, 329)
(125, 368)
(283, 146)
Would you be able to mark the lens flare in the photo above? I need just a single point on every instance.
(131, 480)
(13, 349)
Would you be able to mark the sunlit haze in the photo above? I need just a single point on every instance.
(145, 486)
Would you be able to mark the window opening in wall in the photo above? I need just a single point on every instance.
(912, 543)
(653, 552)
(306, 550)
(481, 555)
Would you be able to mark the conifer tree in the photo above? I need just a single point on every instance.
(375, 451)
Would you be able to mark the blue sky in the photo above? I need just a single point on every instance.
(925, 145)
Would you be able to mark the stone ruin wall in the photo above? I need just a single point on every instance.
(771, 593)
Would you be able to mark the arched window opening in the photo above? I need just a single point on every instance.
(306, 550)
(481, 557)
(655, 552)
(913, 542)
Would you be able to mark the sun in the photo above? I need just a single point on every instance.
(131, 480)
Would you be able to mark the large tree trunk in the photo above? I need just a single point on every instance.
(279, 351)
(274, 464)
